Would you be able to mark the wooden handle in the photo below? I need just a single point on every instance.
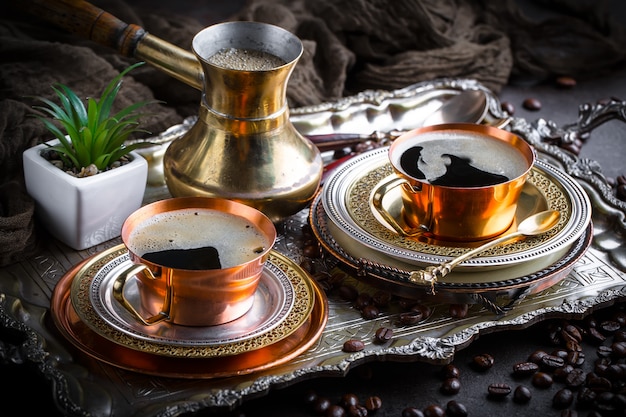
(88, 21)
(84, 19)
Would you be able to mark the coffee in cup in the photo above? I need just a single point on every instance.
(458, 182)
(197, 260)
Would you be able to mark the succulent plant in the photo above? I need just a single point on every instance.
(91, 134)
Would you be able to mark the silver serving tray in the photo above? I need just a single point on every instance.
(597, 280)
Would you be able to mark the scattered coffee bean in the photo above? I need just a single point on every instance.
(483, 361)
(522, 394)
(450, 386)
(455, 409)
(357, 410)
(370, 312)
(362, 300)
(586, 397)
(353, 345)
(410, 317)
(348, 292)
(451, 371)
(609, 327)
(348, 400)
(434, 410)
(383, 335)
(576, 378)
(381, 298)
(531, 104)
(508, 107)
(560, 374)
(563, 398)
(594, 336)
(565, 82)
(551, 362)
(335, 411)
(498, 390)
(536, 356)
(458, 311)
(618, 349)
(525, 368)
(412, 412)
(321, 405)
(542, 380)
(373, 403)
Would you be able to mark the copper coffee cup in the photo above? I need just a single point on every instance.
(191, 289)
(459, 182)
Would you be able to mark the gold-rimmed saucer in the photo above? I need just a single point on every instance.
(102, 318)
(347, 195)
(95, 346)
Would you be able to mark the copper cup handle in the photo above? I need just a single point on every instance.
(118, 294)
(377, 203)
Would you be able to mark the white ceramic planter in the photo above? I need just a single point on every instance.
(83, 212)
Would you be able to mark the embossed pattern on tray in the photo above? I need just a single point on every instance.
(82, 284)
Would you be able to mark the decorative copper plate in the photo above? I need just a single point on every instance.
(94, 345)
(86, 300)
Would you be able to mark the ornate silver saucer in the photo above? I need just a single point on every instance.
(273, 302)
(346, 198)
(284, 302)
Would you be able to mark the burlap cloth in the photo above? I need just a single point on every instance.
(350, 46)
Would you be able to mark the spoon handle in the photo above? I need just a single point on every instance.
(431, 274)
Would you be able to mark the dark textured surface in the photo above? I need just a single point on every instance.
(401, 385)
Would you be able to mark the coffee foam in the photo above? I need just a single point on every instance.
(485, 152)
(236, 239)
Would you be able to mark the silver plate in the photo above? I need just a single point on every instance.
(273, 301)
(346, 200)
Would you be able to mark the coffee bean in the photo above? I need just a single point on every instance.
(321, 405)
(576, 378)
(373, 403)
(381, 298)
(603, 351)
(522, 394)
(458, 311)
(508, 107)
(348, 400)
(561, 373)
(455, 409)
(335, 411)
(362, 300)
(542, 380)
(552, 362)
(357, 410)
(383, 335)
(618, 349)
(531, 104)
(450, 386)
(586, 397)
(370, 312)
(609, 327)
(594, 336)
(412, 412)
(499, 390)
(353, 345)
(348, 292)
(525, 368)
(422, 308)
(563, 398)
(536, 356)
(451, 371)
(410, 317)
(310, 397)
(434, 410)
(565, 82)
(483, 361)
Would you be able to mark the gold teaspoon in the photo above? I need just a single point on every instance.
(533, 225)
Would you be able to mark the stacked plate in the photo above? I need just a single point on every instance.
(287, 317)
(350, 228)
